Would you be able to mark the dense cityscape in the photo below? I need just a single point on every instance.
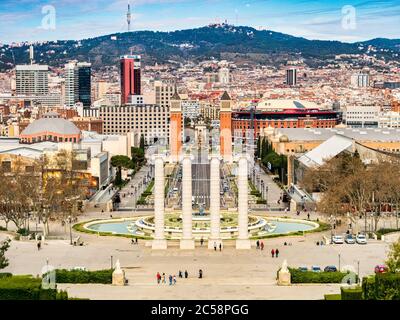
(136, 169)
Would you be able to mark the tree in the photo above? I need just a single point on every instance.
(137, 157)
(3, 248)
(258, 150)
(120, 162)
(393, 261)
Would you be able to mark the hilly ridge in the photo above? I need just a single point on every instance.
(194, 44)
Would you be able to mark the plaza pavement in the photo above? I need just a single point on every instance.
(229, 274)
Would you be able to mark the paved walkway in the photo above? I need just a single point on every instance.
(229, 274)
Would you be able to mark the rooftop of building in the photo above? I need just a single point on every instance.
(358, 134)
(281, 104)
(53, 125)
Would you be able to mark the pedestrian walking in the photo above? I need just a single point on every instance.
(257, 244)
(158, 278)
(174, 279)
(201, 241)
(170, 280)
(200, 274)
(38, 245)
(262, 245)
(180, 275)
(308, 216)
(277, 253)
(272, 253)
(163, 278)
(215, 246)
(186, 274)
(220, 246)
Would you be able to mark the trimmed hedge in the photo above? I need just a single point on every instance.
(333, 297)
(351, 294)
(25, 288)
(79, 276)
(298, 276)
(368, 288)
(5, 275)
(386, 286)
(384, 231)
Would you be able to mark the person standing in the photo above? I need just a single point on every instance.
(200, 274)
(180, 274)
(272, 253)
(262, 245)
(170, 280)
(158, 278)
(257, 244)
(220, 246)
(163, 278)
(215, 246)
(308, 216)
(38, 245)
(277, 253)
(186, 274)
(201, 241)
(174, 279)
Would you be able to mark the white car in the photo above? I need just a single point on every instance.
(361, 239)
(350, 239)
(337, 240)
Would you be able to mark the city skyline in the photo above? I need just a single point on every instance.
(343, 20)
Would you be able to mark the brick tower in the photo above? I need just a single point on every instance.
(226, 127)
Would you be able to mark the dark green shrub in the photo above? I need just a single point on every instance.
(351, 294)
(24, 288)
(78, 276)
(23, 232)
(62, 295)
(3, 229)
(261, 201)
(368, 288)
(298, 276)
(384, 231)
(5, 275)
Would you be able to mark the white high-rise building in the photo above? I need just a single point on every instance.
(77, 83)
(32, 80)
(224, 76)
(360, 80)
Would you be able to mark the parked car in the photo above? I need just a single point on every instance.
(350, 239)
(380, 268)
(337, 240)
(361, 239)
(304, 269)
(316, 269)
(222, 193)
(330, 269)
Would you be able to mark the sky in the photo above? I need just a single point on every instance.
(344, 20)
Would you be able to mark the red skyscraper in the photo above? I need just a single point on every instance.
(130, 77)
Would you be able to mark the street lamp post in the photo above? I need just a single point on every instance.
(339, 262)
(112, 265)
(358, 271)
(70, 229)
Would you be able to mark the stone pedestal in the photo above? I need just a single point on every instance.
(159, 244)
(284, 275)
(118, 276)
(186, 244)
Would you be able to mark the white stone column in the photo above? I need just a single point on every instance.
(187, 241)
(159, 242)
(243, 241)
(215, 219)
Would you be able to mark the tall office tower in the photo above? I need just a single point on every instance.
(226, 127)
(78, 83)
(360, 80)
(130, 77)
(224, 76)
(291, 77)
(164, 90)
(175, 135)
(32, 80)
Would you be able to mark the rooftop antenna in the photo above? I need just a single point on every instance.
(129, 17)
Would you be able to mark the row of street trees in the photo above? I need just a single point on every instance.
(348, 185)
(47, 189)
(276, 163)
